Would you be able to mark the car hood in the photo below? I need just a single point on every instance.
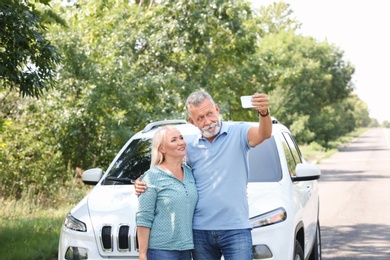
(118, 203)
(112, 204)
(113, 207)
(264, 197)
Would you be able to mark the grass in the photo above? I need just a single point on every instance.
(31, 235)
(29, 231)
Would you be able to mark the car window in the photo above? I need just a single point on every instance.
(289, 158)
(296, 153)
(292, 152)
(264, 163)
(133, 162)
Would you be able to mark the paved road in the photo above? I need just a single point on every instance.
(355, 199)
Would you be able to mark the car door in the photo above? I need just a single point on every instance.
(306, 192)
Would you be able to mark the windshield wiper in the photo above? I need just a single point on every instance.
(121, 180)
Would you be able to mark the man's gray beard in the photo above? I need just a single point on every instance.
(207, 134)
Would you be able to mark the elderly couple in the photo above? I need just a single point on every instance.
(198, 209)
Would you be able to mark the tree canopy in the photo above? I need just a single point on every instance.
(27, 59)
(127, 63)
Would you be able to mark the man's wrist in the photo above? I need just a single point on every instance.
(263, 115)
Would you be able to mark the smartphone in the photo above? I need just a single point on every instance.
(246, 101)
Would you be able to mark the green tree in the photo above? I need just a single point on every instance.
(30, 158)
(360, 111)
(305, 77)
(275, 18)
(125, 65)
(27, 67)
(27, 59)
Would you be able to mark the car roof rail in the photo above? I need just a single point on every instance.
(156, 124)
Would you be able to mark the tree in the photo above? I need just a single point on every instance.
(27, 59)
(31, 161)
(125, 65)
(275, 18)
(305, 77)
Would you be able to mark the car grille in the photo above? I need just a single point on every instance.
(122, 238)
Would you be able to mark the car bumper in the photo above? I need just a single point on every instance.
(274, 242)
(83, 245)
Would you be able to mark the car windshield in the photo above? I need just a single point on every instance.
(132, 163)
(264, 163)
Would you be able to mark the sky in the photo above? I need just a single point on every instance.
(360, 28)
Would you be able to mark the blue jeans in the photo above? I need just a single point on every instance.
(156, 254)
(232, 244)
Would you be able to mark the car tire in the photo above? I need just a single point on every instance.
(316, 250)
(298, 251)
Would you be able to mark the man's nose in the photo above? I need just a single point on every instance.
(207, 120)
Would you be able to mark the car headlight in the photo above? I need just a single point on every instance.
(74, 224)
(275, 216)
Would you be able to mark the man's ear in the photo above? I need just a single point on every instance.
(191, 121)
(216, 108)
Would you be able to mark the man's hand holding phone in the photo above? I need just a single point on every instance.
(139, 186)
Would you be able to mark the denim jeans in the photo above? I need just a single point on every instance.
(155, 254)
(232, 244)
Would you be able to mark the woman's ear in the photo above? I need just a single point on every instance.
(161, 149)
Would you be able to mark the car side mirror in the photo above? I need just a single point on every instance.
(92, 176)
(306, 172)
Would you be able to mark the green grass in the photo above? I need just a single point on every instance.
(29, 230)
(31, 236)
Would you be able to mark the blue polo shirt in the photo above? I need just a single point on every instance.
(220, 169)
(167, 208)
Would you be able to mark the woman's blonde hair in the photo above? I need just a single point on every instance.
(157, 156)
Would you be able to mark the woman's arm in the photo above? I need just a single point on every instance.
(143, 234)
(145, 217)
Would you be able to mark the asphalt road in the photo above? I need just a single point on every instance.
(355, 199)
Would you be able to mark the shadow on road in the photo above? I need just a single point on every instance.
(362, 239)
(341, 176)
(361, 149)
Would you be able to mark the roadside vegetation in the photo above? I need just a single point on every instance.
(29, 229)
(315, 153)
(80, 77)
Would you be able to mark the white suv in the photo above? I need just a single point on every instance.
(282, 194)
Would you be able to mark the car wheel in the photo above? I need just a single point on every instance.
(298, 251)
(316, 251)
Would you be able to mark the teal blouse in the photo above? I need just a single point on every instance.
(167, 208)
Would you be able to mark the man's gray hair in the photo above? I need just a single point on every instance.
(197, 98)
